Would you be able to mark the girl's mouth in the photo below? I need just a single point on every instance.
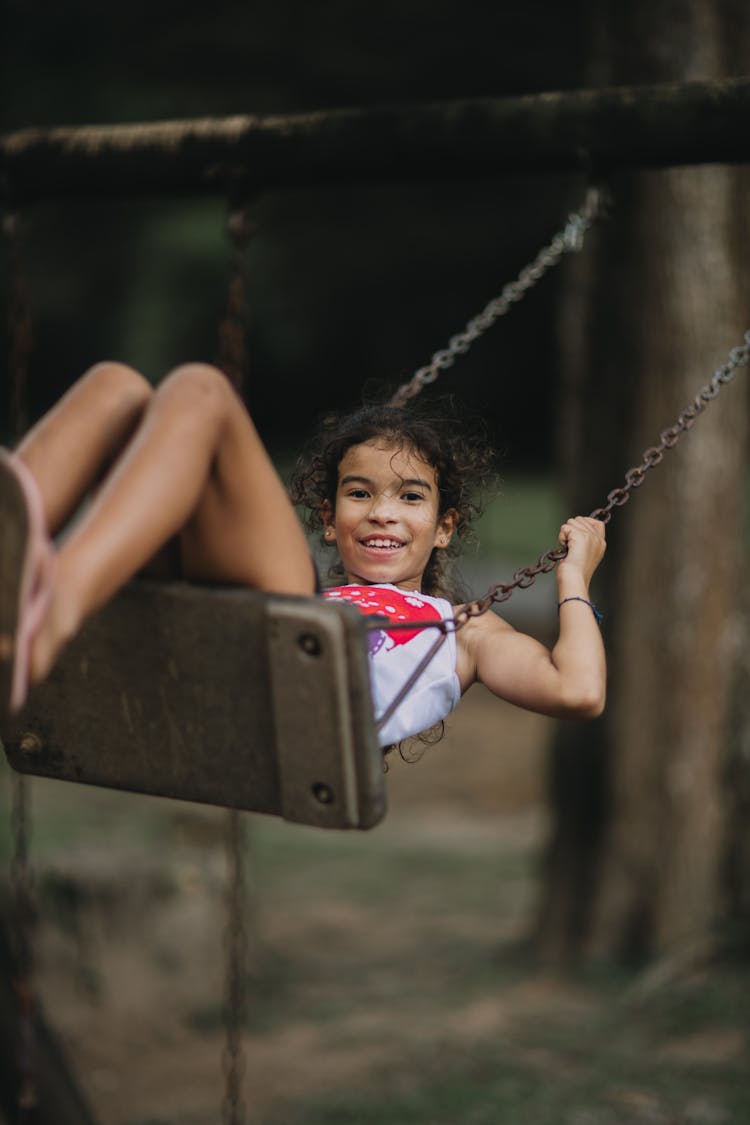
(381, 543)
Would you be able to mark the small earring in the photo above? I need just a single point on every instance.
(328, 533)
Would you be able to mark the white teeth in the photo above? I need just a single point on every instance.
(381, 543)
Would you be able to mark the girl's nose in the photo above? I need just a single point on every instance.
(382, 509)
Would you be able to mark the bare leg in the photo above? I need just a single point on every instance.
(194, 466)
(70, 447)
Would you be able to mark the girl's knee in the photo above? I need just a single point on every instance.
(117, 380)
(203, 376)
(199, 385)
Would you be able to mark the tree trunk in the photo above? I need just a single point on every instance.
(737, 778)
(640, 814)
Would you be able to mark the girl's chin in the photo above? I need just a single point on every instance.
(374, 572)
(406, 581)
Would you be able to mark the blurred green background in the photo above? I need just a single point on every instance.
(392, 977)
(347, 286)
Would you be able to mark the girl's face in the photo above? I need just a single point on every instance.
(385, 520)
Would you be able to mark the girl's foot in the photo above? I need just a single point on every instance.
(27, 563)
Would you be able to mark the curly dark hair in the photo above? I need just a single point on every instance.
(455, 445)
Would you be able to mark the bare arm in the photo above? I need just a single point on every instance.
(568, 681)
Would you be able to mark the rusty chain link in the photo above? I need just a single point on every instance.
(568, 239)
(232, 347)
(232, 359)
(525, 576)
(21, 876)
(22, 892)
(668, 438)
(19, 324)
(235, 984)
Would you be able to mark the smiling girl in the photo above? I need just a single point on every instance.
(392, 489)
(180, 486)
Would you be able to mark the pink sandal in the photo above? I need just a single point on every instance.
(27, 564)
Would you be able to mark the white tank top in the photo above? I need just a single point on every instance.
(394, 654)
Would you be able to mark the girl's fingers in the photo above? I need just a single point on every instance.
(585, 533)
(584, 524)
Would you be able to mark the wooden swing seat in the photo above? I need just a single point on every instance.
(224, 696)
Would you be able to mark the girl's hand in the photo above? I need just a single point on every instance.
(570, 680)
(584, 538)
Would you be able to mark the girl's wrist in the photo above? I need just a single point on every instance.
(575, 598)
(571, 585)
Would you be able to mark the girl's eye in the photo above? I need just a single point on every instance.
(358, 493)
(412, 496)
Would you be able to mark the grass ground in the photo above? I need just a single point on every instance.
(390, 975)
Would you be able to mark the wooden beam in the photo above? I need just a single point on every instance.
(590, 130)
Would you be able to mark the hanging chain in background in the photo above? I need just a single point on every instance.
(233, 1109)
(21, 882)
(569, 238)
(232, 351)
(232, 359)
(19, 324)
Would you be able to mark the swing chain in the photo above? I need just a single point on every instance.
(232, 344)
(19, 322)
(233, 1110)
(21, 882)
(232, 359)
(20, 874)
(570, 238)
(668, 438)
(526, 576)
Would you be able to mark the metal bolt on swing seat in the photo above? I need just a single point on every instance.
(310, 644)
(30, 743)
(323, 793)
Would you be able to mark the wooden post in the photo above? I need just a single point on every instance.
(640, 814)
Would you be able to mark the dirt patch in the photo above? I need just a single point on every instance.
(380, 964)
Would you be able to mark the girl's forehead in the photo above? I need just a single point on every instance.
(384, 458)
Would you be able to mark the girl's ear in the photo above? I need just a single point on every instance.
(326, 515)
(447, 524)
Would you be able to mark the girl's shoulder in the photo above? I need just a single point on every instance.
(471, 636)
(481, 623)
